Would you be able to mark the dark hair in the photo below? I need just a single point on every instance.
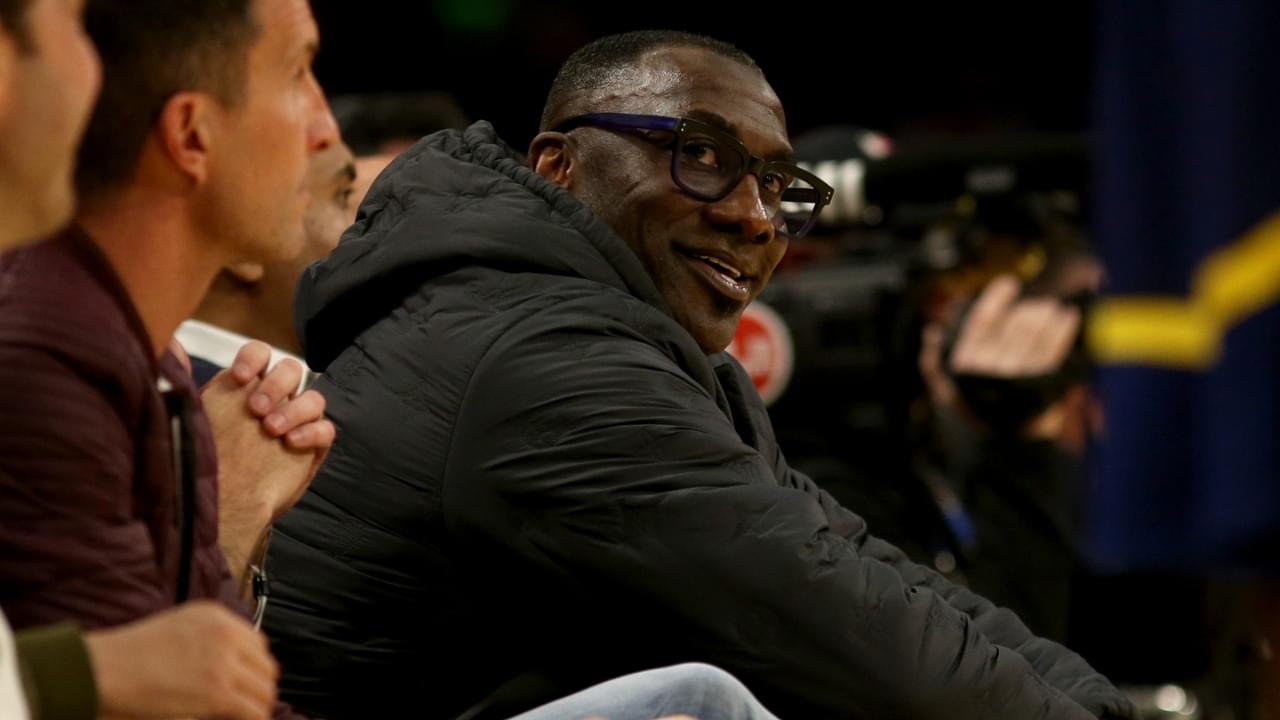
(368, 121)
(151, 50)
(13, 16)
(595, 65)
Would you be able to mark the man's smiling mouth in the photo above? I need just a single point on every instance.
(723, 274)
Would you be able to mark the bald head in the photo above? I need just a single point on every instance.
(611, 67)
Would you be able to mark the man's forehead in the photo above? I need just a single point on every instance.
(289, 23)
(691, 81)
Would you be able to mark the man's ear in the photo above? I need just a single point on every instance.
(185, 131)
(551, 156)
(246, 272)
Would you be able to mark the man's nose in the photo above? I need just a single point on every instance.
(322, 127)
(743, 212)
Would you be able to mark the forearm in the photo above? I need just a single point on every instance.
(842, 635)
(70, 562)
(1057, 665)
(997, 624)
(1061, 668)
(676, 520)
(76, 518)
(242, 538)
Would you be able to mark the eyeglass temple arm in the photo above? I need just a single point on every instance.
(619, 121)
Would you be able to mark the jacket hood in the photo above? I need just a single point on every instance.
(456, 198)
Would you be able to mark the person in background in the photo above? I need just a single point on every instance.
(254, 300)
(368, 168)
(382, 123)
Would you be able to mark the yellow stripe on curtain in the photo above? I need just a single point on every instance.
(1228, 287)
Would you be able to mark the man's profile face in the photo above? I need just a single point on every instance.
(331, 176)
(51, 88)
(331, 180)
(708, 259)
(368, 168)
(270, 135)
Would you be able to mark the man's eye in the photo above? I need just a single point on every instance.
(344, 197)
(701, 152)
(774, 183)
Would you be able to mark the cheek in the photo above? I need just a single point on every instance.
(776, 253)
(338, 224)
(290, 130)
(323, 230)
(88, 66)
(280, 121)
(273, 147)
(72, 57)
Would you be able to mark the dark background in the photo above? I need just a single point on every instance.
(907, 69)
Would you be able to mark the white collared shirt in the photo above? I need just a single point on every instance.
(219, 346)
(12, 702)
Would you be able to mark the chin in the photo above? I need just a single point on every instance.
(715, 339)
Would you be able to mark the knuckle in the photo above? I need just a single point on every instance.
(290, 366)
(218, 678)
(323, 435)
(255, 351)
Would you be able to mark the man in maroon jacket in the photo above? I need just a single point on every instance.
(113, 504)
(183, 662)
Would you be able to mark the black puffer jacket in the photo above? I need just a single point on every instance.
(538, 475)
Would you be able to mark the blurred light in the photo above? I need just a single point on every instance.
(1171, 698)
(474, 16)
(940, 250)
(945, 562)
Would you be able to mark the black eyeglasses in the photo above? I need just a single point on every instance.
(708, 163)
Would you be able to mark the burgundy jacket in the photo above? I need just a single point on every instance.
(93, 515)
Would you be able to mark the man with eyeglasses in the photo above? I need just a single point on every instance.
(548, 472)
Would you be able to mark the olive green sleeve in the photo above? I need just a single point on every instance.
(56, 673)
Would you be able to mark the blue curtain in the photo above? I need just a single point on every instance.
(1187, 218)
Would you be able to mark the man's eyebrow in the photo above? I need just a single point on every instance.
(713, 118)
(347, 173)
(720, 122)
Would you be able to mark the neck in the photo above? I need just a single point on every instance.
(245, 311)
(153, 245)
(16, 230)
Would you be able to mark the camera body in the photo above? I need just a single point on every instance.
(904, 238)
(905, 235)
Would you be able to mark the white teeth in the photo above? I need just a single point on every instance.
(730, 271)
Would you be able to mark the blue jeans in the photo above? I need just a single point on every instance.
(703, 691)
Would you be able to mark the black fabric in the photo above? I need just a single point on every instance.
(538, 473)
(1023, 496)
(203, 370)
